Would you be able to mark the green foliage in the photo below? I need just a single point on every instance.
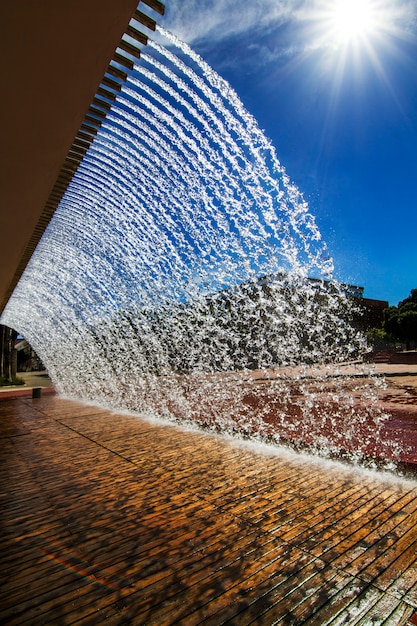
(7, 382)
(401, 321)
(411, 298)
(379, 339)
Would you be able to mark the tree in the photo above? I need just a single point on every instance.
(401, 320)
(380, 339)
(7, 353)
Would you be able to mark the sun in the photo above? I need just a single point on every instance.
(358, 25)
(352, 20)
(356, 39)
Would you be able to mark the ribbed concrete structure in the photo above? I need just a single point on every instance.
(62, 64)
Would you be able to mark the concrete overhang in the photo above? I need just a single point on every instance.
(53, 58)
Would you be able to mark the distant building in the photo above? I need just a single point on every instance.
(27, 359)
(370, 313)
(352, 291)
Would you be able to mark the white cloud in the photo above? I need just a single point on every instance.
(205, 21)
(216, 20)
(247, 36)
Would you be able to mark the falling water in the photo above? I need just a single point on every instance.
(175, 278)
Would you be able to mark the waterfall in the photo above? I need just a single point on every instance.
(182, 260)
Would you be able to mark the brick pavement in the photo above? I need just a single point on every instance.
(110, 519)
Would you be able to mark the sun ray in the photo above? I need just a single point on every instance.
(355, 35)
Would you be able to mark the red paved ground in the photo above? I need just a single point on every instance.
(252, 395)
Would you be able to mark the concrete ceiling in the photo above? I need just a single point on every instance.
(53, 58)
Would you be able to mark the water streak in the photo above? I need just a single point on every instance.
(175, 276)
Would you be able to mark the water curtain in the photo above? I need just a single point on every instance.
(184, 276)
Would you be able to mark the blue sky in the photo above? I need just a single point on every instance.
(337, 95)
